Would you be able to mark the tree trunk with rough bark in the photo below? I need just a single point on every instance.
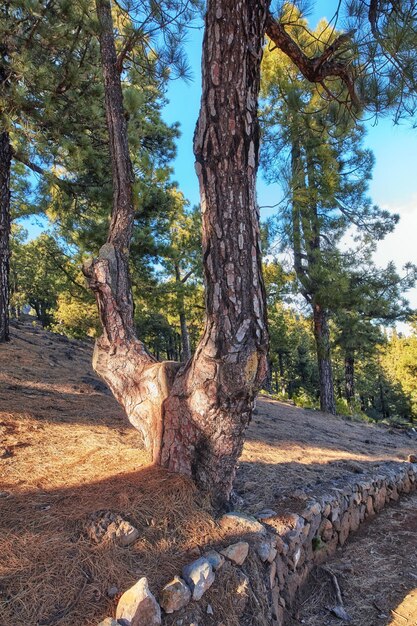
(137, 381)
(322, 337)
(349, 377)
(211, 401)
(5, 166)
(193, 419)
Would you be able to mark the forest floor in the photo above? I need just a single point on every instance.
(67, 451)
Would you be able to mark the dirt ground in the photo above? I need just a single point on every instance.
(67, 451)
(376, 572)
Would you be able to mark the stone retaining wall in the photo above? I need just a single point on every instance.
(308, 538)
(305, 532)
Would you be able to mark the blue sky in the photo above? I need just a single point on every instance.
(394, 183)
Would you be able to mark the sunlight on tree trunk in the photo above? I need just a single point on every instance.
(197, 426)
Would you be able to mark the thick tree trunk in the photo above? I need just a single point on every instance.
(194, 420)
(211, 401)
(5, 166)
(349, 377)
(322, 337)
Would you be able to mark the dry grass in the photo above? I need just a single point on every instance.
(67, 451)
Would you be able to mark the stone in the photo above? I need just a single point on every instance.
(126, 534)
(355, 518)
(380, 499)
(370, 506)
(175, 595)
(105, 525)
(344, 528)
(109, 621)
(282, 571)
(312, 509)
(237, 552)
(326, 530)
(299, 494)
(275, 597)
(199, 576)
(240, 523)
(112, 591)
(263, 550)
(412, 458)
(209, 609)
(281, 546)
(272, 554)
(297, 556)
(271, 574)
(215, 559)
(138, 606)
(266, 514)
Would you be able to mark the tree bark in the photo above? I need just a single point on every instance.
(5, 166)
(349, 377)
(194, 419)
(322, 337)
(137, 381)
(212, 398)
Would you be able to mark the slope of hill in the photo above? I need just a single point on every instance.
(67, 452)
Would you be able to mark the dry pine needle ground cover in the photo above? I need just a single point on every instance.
(67, 451)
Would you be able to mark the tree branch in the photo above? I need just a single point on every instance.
(315, 69)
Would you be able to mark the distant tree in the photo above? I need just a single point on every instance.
(327, 171)
(370, 297)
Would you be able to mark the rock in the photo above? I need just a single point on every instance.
(412, 458)
(126, 534)
(241, 592)
(138, 606)
(112, 591)
(209, 609)
(340, 612)
(326, 530)
(175, 595)
(272, 554)
(106, 525)
(237, 552)
(215, 559)
(299, 494)
(109, 621)
(199, 576)
(263, 550)
(271, 574)
(240, 523)
(312, 509)
(266, 514)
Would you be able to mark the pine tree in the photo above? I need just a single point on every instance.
(327, 176)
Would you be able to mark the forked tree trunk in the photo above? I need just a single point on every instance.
(211, 401)
(349, 377)
(322, 337)
(194, 419)
(5, 165)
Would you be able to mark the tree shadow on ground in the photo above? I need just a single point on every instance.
(53, 573)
